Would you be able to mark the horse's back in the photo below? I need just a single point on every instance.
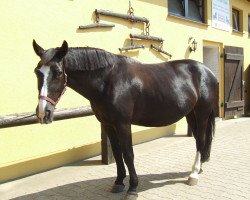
(168, 91)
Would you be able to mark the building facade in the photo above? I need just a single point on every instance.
(216, 32)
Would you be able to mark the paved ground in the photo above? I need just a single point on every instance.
(163, 166)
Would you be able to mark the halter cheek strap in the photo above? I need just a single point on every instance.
(63, 91)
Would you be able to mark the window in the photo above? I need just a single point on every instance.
(249, 24)
(236, 19)
(190, 9)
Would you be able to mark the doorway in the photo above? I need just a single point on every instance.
(211, 58)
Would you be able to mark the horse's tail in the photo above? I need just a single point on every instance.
(205, 154)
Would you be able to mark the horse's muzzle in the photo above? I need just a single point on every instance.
(45, 117)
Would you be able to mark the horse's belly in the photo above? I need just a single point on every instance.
(155, 123)
(165, 106)
(158, 117)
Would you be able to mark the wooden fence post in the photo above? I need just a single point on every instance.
(107, 154)
(189, 132)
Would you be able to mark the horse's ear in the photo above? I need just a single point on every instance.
(39, 50)
(62, 51)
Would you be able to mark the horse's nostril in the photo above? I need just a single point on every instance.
(47, 113)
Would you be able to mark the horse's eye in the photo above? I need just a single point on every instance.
(58, 74)
(37, 71)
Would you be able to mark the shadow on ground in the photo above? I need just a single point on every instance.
(99, 188)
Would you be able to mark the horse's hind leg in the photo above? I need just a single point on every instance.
(198, 121)
(191, 120)
(192, 123)
(117, 152)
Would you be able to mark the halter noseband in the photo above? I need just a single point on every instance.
(63, 91)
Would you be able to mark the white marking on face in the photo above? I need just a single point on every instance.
(196, 166)
(44, 90)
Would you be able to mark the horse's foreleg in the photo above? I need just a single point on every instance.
(117, 152)
(125, 138)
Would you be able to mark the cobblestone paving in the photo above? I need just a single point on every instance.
(163, 166)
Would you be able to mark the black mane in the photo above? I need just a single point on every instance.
(87, 58)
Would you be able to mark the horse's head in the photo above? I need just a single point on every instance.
(51, 78)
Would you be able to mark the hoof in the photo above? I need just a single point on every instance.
(131, 195)
(117, 188)
(201, 170)
(192, 181)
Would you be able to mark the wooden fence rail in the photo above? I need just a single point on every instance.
(21, 119)
(28, 118)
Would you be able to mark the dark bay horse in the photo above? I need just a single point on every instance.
(123, 91)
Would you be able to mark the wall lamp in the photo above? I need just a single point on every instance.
(193, 45)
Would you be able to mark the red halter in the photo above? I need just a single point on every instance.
(64, 89)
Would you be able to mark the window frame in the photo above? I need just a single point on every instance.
(236, 26)
(185, 11)
(249, 24)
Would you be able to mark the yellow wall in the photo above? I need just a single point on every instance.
(52, 21)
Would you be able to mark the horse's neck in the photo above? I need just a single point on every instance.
(88, 80)
(89, 84)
